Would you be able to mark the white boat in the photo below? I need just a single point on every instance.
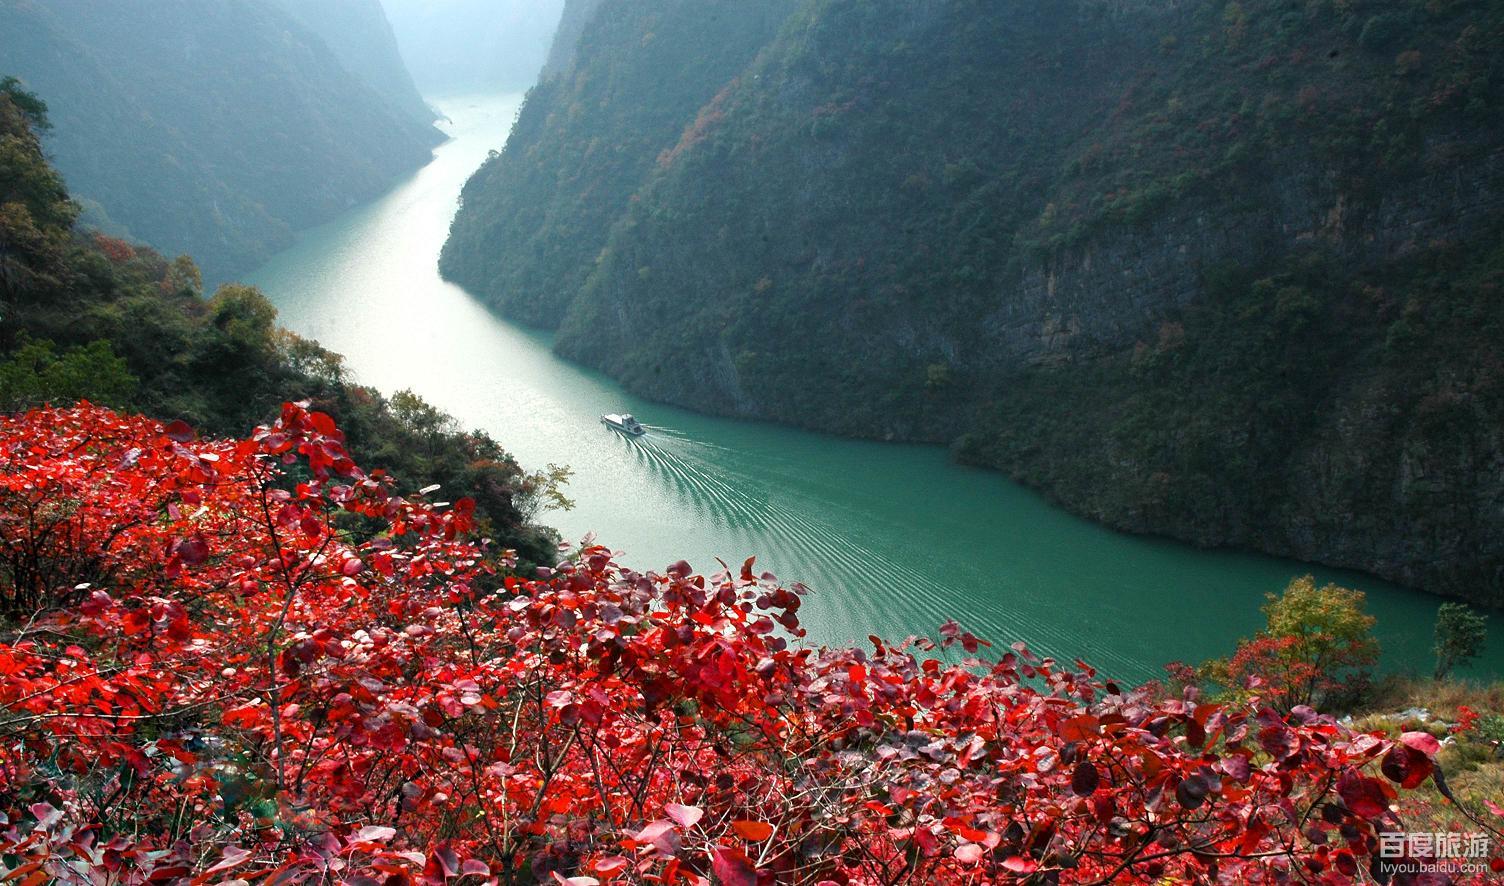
(626, 424)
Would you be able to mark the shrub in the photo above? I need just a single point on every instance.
(223, 678)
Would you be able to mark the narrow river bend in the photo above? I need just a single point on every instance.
(892, 539)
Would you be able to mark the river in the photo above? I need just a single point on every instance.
(892, 539)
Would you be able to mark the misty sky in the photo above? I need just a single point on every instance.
(454, 46)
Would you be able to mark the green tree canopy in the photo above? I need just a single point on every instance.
(1460, 635)
(1314, 640)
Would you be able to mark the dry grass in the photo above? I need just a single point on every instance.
(1473, 768)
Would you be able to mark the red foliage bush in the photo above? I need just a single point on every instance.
(250, 660)
(115, 249)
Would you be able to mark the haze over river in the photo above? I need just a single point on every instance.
(891, 539)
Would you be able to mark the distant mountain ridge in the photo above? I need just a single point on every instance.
(1225, 270)
(577, 14)
(362, 39)
(212, 128)
(455, 47)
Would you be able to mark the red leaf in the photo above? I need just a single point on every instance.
(968, 853)
(179, 431)
(232, 857)
(192, 550)
(733, 868)
(756, 831)
(1020, 865)
(1423, 742)
(1086, 779)
(684, 816)
(1080, 728)
(375, 834)
(1406, 766)
(1365, 797)
(661, 835)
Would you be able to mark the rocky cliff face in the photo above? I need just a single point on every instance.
(213, 128)
(1219, 270)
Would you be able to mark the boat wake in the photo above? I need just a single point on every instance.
(857, 584)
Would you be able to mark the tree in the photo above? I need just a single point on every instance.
(1460, 634)
(26, 102)
(35, 211)
(1313, 640)
(35, 374)
(543, 490)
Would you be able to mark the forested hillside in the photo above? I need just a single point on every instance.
(576, 15)
(1226, 270)
(535, 219)
(361, 38)
(87, 316)
(215, 129)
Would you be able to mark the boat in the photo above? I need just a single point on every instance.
(625, 424)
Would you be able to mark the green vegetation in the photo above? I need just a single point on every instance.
(1460, 635)
(361, 37)
(216, 129)
(536, 217)
(1315, 648)
(92, 317)
(1323, 633)
(36, 374)
(1226, 271)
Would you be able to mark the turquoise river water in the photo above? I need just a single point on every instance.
(892, 539)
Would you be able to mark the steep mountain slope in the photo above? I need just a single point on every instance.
(91, 317)
(1221, 270)
(576, 15)
(536, 217)
(210, 128)
(362, 40)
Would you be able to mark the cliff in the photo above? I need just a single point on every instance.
(358, 33)
(536, 217)
(1220, 270)
(215, 129)
(561, 54)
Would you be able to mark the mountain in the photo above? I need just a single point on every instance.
(92, 317)
(575, 16)
(459, 46)
(211, 128)
(1225, 271)
(362, 39)
(535, 218)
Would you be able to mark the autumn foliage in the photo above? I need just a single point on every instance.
(250, 660)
